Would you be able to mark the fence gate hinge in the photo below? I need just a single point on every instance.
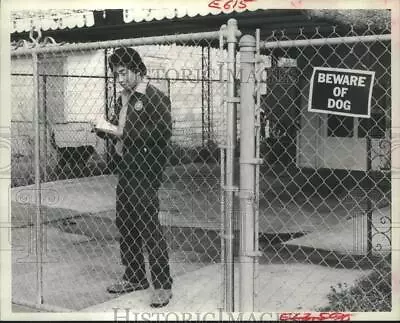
(227, 236)
(252, 161)
(230, 99)
(221, 146)
(234, 189)
(253, 253)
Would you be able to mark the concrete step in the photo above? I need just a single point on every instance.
(350, 236)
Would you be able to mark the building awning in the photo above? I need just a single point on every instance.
(24, 21)
(144, 21)
(143, 14)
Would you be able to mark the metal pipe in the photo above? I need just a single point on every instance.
(222, 178)
(106, 81)
(107, 142)
(368, 197)
(247, 173)
(258, 130)
(115, 91)
(208, 94)
(177, 79)
(60, 75)
(44, 143)
(324, 41)
(222, 229)
(45, 126)
(38, 222)
(257, 175)
(231, 33)
(202, 95)
(369, 184)
(191, 37)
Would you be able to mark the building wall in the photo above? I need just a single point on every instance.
(71, 102)
(22, 131)
(185, 63)
(315, 148)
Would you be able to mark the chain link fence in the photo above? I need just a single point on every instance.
(198, 132)
(98, 206)
(325, 183)
(314, 189)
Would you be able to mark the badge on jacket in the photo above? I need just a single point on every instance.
(138, 105)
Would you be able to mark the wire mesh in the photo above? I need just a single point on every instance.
(325, 185)
(324, 189)
(109, 201)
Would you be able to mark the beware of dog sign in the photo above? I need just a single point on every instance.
(341, 91)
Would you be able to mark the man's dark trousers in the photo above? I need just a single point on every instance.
(137, 220)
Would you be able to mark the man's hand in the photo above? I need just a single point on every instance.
(103, 125)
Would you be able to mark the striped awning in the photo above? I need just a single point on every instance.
(146, 14)
(24, 21)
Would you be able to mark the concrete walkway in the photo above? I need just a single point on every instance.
(81, 239)
(76, 269)
(187, 202)
(194, 202)
(294, 287)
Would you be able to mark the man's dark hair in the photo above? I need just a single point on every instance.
(128, 57)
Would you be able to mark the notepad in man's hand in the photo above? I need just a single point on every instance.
(104, 125)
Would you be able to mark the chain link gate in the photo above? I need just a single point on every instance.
(65, 238)
(315, 188)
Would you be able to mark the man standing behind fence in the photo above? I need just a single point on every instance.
(141, 133)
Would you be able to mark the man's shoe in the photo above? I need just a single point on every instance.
(125, 286)
(160, 297)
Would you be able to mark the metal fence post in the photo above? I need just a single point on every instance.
(46, 126)
(368, 189)
(258, 72)
(232, 33)
(107, 103)
(222, 177)
(248, 161)
(38, 223)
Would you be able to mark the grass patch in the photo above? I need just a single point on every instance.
(372, 293)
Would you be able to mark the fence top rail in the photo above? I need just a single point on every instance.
(324, 41)
(154, 40)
